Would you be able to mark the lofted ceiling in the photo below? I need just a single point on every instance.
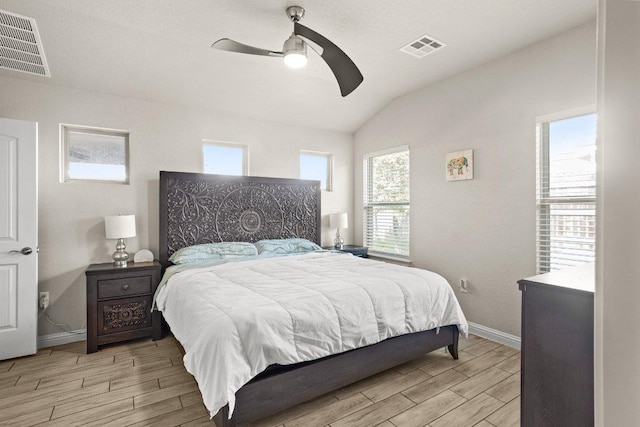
(159, 50)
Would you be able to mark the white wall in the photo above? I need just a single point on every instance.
(483, 229)
(617, 268)
(162, 137)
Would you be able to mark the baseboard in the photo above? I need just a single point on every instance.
(494, 335)
(52, 340)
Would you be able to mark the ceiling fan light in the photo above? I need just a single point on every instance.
(295, 52)
(295, 60)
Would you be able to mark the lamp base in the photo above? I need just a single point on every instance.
(120, 264)
(339, 241)
(120, 257)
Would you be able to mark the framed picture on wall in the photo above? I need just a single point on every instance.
(459, 165)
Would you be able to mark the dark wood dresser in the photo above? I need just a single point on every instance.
(557, 348)
(119, 301)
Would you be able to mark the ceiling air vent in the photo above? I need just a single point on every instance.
(20, 45)
(422, 46)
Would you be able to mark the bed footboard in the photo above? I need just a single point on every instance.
(267, 395)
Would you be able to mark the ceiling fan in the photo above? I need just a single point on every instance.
(294, 52)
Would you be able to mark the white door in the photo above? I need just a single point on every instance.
(18, 238)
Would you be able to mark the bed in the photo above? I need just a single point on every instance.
(198, 208)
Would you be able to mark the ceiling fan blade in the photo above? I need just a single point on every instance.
(234, 46)
(348, 75)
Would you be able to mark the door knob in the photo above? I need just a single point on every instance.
(24, 251)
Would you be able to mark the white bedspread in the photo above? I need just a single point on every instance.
(235, 319)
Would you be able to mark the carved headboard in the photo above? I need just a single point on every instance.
(201, 208)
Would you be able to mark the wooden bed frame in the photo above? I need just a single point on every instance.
(199, 208)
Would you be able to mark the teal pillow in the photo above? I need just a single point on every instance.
(286, 246)
(212, 251)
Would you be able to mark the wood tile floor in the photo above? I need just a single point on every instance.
(144, 383)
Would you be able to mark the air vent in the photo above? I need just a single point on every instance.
(422, 46)
(20, 45)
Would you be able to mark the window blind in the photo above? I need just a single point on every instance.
(566, 192)
(95, 154)
(386, 210)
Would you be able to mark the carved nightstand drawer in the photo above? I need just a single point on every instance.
(124, 287)
(119, 301)
(124, 315)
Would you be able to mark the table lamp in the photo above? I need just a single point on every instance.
(338, 221)
(120, 227)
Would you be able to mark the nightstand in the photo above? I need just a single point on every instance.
(119, 301)
(361, 251)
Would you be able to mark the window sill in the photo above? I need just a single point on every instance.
(390, 258)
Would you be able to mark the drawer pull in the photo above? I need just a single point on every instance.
(125, 287)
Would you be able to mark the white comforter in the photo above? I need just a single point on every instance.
(235, 319)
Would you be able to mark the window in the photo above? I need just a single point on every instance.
(386, 202)
(316, 166)
(225, 158)
(95, 154)
(566, 191)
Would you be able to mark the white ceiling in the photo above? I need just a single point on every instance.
(159, 50)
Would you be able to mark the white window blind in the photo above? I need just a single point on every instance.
(92, 154)
(566, 192)
(386, 202)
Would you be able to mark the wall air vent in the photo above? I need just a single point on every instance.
(422, 46)
(20, 45)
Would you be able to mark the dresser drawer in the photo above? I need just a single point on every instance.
(115, 288)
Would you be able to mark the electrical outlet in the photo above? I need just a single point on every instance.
(464, 285)
(44, 300)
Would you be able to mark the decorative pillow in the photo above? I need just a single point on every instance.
(211, 251)
(286, 246)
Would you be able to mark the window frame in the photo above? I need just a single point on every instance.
(330, 160)
(367, 204)
(245, 154)
(544, 201)
(67, 129)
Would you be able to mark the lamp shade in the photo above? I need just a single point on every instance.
(295, 52)
(339, 220)
(120, 226)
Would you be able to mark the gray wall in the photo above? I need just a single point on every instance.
(483, 229)
(617, 267)
(162, 137)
